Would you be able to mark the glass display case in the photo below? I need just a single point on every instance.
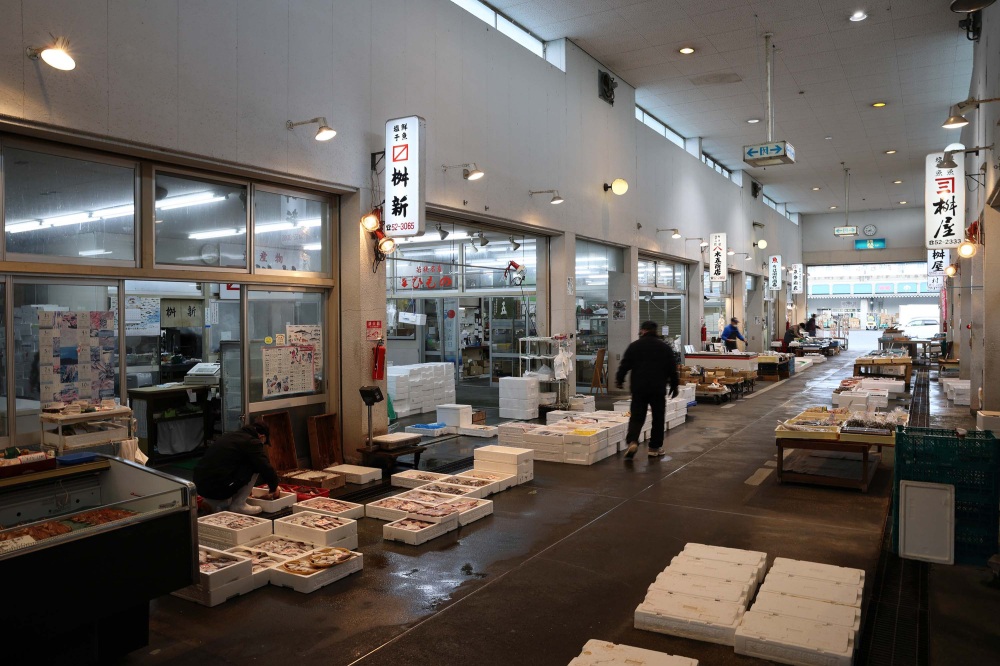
(231, 383)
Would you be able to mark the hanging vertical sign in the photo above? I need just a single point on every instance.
(717, 267)
(935, 282)
(937, 260)
(796, 278)
(944, 202)
(404, 183)
(774, 272)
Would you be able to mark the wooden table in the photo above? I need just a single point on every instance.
(863, 448)
(907, 366)
(389, 459)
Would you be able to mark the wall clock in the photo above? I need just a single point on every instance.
(870, 230)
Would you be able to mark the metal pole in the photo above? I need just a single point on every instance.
(370, 446)
(769, 102)
(847, 196)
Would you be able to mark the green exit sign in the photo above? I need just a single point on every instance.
(869, 244)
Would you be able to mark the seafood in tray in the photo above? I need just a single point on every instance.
(465, 481)
(422, 495)
(323, 558)
(424, 476)
(412, 525)
(284, 547)
(333, 506)
(316, 521)
(210, 562)
(401, 505)
(102, 516)
(232, 521)
(443, 488)
(260, 559)
(463, 505)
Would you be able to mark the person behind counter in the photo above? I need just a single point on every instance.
(229, 470)
(790, 335)
(731, 333)
(811, 326)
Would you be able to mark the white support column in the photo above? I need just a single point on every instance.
(562, 291)
(990, 258)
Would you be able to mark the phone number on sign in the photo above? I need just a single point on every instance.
(401, 226)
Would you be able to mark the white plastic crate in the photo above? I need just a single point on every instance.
(287, 527)
(792, 640)
(817, 570)
(808, 609)
(701, 586)
(240, 568)
(812, 588)
(474, 509)
(425, 497)
(503, 481)
(285, 500)
(503, 454)
(451, 489)
(388, 509)
(220, 535)
(214, 597)
(602, 653)
(689, 617)
(753, 558)
(262, 563)
(356, 473)
(281, 577)
(413, 478)
(331, 507)
(393, 532)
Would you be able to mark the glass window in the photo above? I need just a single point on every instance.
(477, 9)
(59, 206)
(3, 361)
(295, 368)
(290, 233)
(397, 327)
(200, 222)
(521, 36)
(647, 273)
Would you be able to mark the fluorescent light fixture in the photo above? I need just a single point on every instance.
(30, 225)
(55, 55)
(833, 208)
(275, 226)
(967, 249)
(816, 189)
(184, 200)
(878, 105)
(64, 220)
(216, 233)
(416, 240)
(753, 121)
(93, 253)
(115, 211)
(312, 246)
(902, 203)
(858, 16)
(890, 152)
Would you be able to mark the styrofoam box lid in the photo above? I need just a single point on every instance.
(927, 521)
(460, 408)
(503, 454)
(825, 638)
(694, 608)
(603, 653)
(812, 588)
(393, 437)
(354, 469)
(808, 609)
(713, 568)
(817, 570)
(701, 586)
(706, 552)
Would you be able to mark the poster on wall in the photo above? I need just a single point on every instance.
(403, 214)
(308, 335)
(618, 310)
(944, 201)
(142, 315)
(717, 261)
(75, 351)
(774, 272)
(797, 278)
(937, 260)
(288, 370)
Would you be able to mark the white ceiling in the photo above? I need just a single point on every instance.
(828, 71)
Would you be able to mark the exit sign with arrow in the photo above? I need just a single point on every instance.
(769, 154)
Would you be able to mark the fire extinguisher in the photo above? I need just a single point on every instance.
(704, 333)
(378, 361)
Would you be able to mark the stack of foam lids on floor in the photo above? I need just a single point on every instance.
(419, 388)
(356, 473)
(890, 385)
(519, 398)
(703, 593)
(603, 653)
(453, 419)
(958, 390)
(986, 420)
(805, 613)
(569, 437)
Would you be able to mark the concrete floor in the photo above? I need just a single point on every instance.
(563, 559)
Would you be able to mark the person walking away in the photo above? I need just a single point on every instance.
(227, 473)
(811, 326)
(732, 333)
(654, 367)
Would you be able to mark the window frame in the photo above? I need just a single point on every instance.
(329, 246)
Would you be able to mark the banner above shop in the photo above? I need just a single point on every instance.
(944, 201)
(717, 265)
(404, 177)
(937, 260)
(797, 278)
(774, 272)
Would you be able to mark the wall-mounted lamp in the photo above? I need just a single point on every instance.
(967, 249)
(761, 244)
(514, 245)
(370, 222)
(731, 252)
(442, 232)
(384, 243)
(675, 233)
(56, 55)
(472, 244)
(469, 170)
(746, 255)
(324, 133)
(956, 114)
(951, 270)
(948, 162)
(555, 200)
(619, 186)
(702, 245)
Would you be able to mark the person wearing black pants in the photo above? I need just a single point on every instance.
(653, 366)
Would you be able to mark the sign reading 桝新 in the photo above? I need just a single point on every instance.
(404, 214)
(944, 202)
(717, 260)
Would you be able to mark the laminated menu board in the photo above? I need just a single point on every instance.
(288, 370)
(309, 335)
(75, 351)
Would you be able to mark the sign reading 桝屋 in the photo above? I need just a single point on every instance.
(796, 278)
(717, 261)
(937, 260)
(944, 202)
(404, 183)
(774, 272)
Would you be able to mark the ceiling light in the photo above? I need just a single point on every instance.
(556, 199)
(324, 133)
(275, 226)
(902, 203)
(472, 244)
(858, 16)
(514, 245)
(815, 189)
(687, 50)
(93, 253)
(967, 249)
(702, 244)
(948, 161)
(619, 186)
(897, 182)
(828, 138)
(955, 120)
(878, 105)
(370, 222)
(890, 152)
(54, 56)
(442, 232)
(833, 208)
(761, 244)
(483, 240)
(951, 270)
(676, 234)
(216, 233)
(753, 121)
(969, 6)
(312, 246)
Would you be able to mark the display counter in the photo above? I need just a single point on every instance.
(735, 361)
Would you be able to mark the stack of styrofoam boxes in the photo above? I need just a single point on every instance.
(327, 532)
(686, 392)
(508, 460)
(890, 385)
(512, 433)
(988, 421)
(356, 474)
(420, 388)
(582, 403)
(960, 391)
(855, 401)
(805, 613)
(703, 594)
(547, 443)
(676, 412)
(398, 386)
(443, 378)
(220, 585)
(588, 444)
(214, 530)
(519, 398)
(602, 653)
(878, 398)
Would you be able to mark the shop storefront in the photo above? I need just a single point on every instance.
(663, 298)
(602, 301)
(719, 304)
(122, 278)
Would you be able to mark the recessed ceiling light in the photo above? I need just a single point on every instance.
(753, 121)
(890, 152)
(902, 203)
(815, 189)
(897, 182)
(828, 138)
(878, 105)
(687, 50)
(858, 16)
(833, 208)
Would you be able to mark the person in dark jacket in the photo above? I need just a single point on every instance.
(228, 471)
(790, 335)
(654, 367)
(811, 326)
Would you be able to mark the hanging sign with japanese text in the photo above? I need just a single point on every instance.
(935, 282)
(937, 260)
(404, 182)
(797, 278)
(774, 272)
(944, 202)
(717, 259)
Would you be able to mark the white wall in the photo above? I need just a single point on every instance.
(903, 231)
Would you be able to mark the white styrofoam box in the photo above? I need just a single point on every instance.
(580, 449)
(414, 478)
(808, 609)
(429, 429)
(849, 399)
(986, 420)
(602, 653)
(476, 430)
(519, 387)
(587, 436)
(522, 414)
(240, 568)
(546, 437)
(347, 543)
(357, 473)
(443, 514)
(306, 584)
(519, 404)
(622, 406)
(557, 415)
(284, 500)
(551, 456)
(459, 416)
(389, 508)
(891, 385)
(753, 558)
(452, 489)
(545, 398)
(471, 509)
(697, 566)
(489, 486)
(793, 640)
(503, 454)
(524, 477)
(331, 507)
(262, 563)
(702, 586)
(506, 469)
(927, 521)
(282, 546)
(339, 528)
(502, 480)
(393, 532)
(813, 588)
(689, 617)
(675, 422)
(963, 399)
(821, 571)
(424, 497)
(226, 537)
(218, 595)
(580, 459)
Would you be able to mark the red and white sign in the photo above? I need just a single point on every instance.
(403, 212)
(944, 201)
(229, 291)
(373, 329)
(775, 280)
